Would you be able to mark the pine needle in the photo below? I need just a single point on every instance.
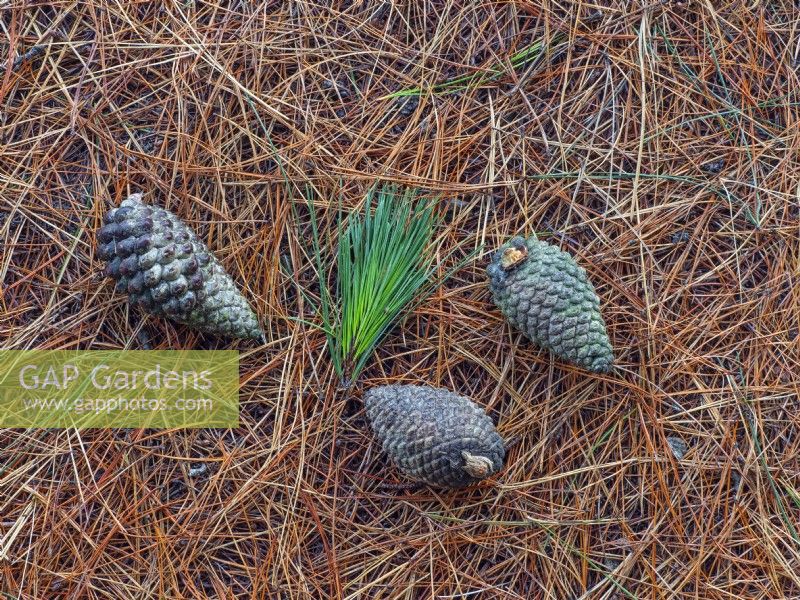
(479, 78)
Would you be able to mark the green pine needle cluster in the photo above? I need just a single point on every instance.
(384, 267)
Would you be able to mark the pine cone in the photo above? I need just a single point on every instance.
(434, 435)
(543, 292)
(164, 268)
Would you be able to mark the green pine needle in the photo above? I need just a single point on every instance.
(477, 79)
(385, 262)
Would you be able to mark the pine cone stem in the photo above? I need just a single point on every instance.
(476, 466)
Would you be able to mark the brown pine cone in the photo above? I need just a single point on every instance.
(434, 435)
(164, 267)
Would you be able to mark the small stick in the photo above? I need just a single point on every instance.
(32, 53)
(39, 48)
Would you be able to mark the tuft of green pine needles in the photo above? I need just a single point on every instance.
(384, 267)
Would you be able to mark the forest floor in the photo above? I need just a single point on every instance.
(658, 143)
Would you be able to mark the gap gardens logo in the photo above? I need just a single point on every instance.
(70, 388)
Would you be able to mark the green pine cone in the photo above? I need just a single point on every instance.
(434, 435)
(164, 267)
(543, 292)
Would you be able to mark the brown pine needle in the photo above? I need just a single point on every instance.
(659, 145)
